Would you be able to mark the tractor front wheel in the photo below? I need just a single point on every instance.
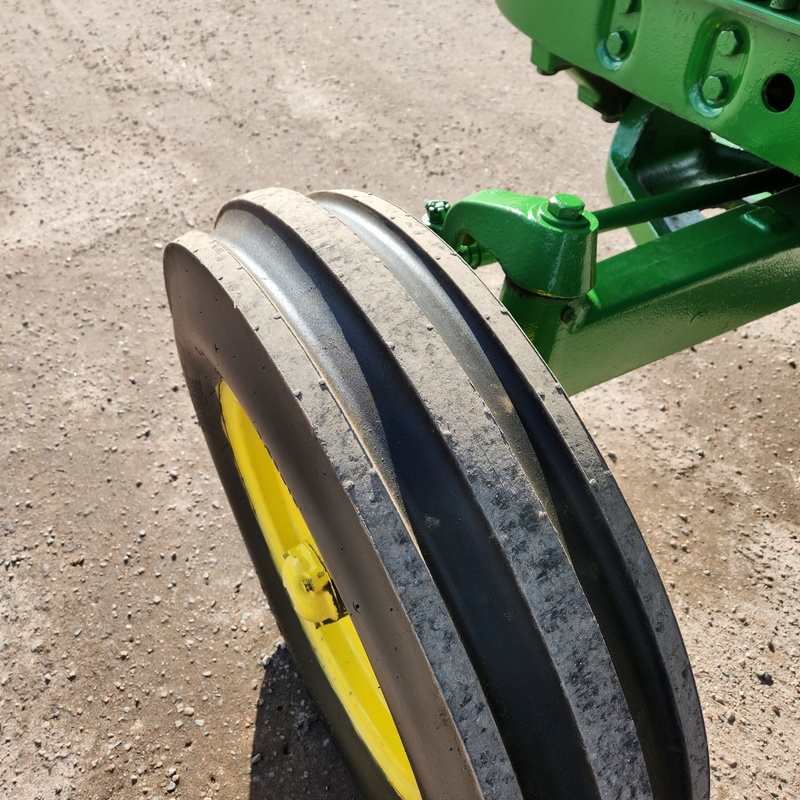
(455, 571)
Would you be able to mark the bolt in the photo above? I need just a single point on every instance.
(617, 44)
(565, 207)
(715, 88)
(437, 211)
(729, 42)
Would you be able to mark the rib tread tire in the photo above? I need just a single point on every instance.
(455, 497)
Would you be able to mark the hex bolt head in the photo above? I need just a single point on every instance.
(437, 211)
(715, 88)
(729, 42)
(617, 44)
(565, 207)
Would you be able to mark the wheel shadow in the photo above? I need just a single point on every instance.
(293, 754)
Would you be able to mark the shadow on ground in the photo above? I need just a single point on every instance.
(293, 754)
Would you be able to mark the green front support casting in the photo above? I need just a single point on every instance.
(729, 66)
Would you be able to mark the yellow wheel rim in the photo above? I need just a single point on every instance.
(329, 630)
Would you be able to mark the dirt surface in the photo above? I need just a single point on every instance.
(138, 658)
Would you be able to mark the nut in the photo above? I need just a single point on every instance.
(729, 42)
(565, 207)
(715, 88)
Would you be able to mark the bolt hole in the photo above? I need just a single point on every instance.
(778, 92)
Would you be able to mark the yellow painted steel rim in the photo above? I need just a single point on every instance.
(329, 630)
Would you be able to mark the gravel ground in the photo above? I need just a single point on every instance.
(138, 656)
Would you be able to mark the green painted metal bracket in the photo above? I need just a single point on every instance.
(731, 67)
(548, 247)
